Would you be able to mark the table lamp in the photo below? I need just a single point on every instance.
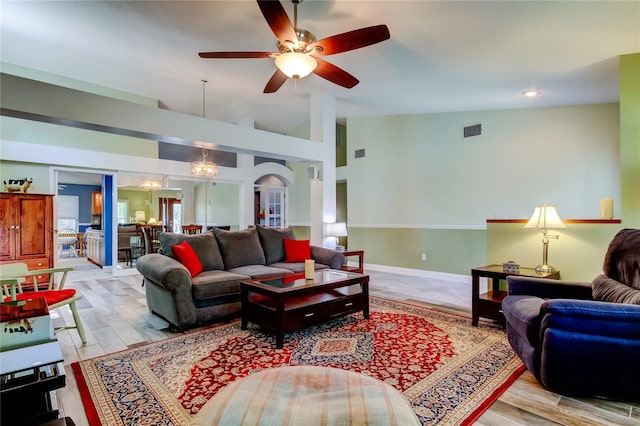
(336, 229)
(140, 216)
(545, 217)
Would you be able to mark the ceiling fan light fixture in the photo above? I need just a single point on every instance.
(296, 65)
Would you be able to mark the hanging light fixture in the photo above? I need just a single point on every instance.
(204, 168)
(151, 184)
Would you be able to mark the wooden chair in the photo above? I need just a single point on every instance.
(191, 229)
(12, 276)
(67, 237)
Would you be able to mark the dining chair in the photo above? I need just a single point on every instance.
(13, 275)
(67, 238)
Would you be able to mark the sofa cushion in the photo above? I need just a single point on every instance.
(622, 261)
(216, 284)
(272, 242)
(523, 315)
(606, 289)
(296, 250)
(240, 248)
(204, 245)
(188, 257)
(260, 271)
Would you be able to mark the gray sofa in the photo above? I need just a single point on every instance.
(227, 258)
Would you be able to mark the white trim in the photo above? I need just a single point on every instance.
(466, 279)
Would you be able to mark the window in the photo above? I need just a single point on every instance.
(122, 211)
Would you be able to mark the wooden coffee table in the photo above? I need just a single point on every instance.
(287, 303)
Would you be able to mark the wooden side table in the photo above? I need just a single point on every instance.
(357, 269)
(488, 305)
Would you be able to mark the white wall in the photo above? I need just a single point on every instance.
(419, 171)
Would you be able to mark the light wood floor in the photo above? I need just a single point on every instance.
(115, 316)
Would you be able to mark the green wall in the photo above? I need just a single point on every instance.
(454, 251)
(578, 253)
(630, 138)
(423, 188)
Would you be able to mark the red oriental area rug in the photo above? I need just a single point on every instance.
(449, 371)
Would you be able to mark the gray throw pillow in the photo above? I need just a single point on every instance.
(205, 246)
(272, 242)
(240, 248)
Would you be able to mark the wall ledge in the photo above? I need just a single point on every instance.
(586, 221)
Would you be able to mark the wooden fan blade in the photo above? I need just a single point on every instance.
(275, 82)
(235, 55)
(335, 74)
(351, 40)
(278, 20)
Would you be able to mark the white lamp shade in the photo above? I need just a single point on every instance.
(336, 229)
(545, 217)
(140, 216)
(296, 65)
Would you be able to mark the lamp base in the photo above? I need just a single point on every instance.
(545, 269)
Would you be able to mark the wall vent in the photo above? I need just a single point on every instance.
(360, 153)
(473, 130)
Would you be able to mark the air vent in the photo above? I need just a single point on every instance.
(473, 130)
(360, 153)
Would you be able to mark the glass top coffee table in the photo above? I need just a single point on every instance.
(286, 303)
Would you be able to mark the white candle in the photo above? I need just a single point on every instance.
(606, 208)
(309, 269)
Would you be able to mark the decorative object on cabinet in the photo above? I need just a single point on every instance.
(55, 294)
(545, 217)
(18, 185)
(26, 231)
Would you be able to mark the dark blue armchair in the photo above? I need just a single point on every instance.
(582, 339)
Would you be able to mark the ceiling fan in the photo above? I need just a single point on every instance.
(299, 51)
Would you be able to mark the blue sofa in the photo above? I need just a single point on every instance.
(582, 339)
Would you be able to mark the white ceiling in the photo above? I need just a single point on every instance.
(442, 56)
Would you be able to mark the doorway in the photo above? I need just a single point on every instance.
(170, 214)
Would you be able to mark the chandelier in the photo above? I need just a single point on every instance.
(204, 168)
(151, 184)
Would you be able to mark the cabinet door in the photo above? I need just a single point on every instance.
(7, 230)
(33, 226)
(96, 202)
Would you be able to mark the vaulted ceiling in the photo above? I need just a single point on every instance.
(442, 55)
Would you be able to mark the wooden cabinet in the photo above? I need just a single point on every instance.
(96, 202)
(26, 230)
(95, 246)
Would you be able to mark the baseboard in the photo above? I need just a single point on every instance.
(415, 272)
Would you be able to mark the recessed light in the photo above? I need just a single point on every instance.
(531, 93)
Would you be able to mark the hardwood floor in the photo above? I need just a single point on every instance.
(115, 316)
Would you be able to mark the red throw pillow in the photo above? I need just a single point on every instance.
(187, 256)
(296, 250)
